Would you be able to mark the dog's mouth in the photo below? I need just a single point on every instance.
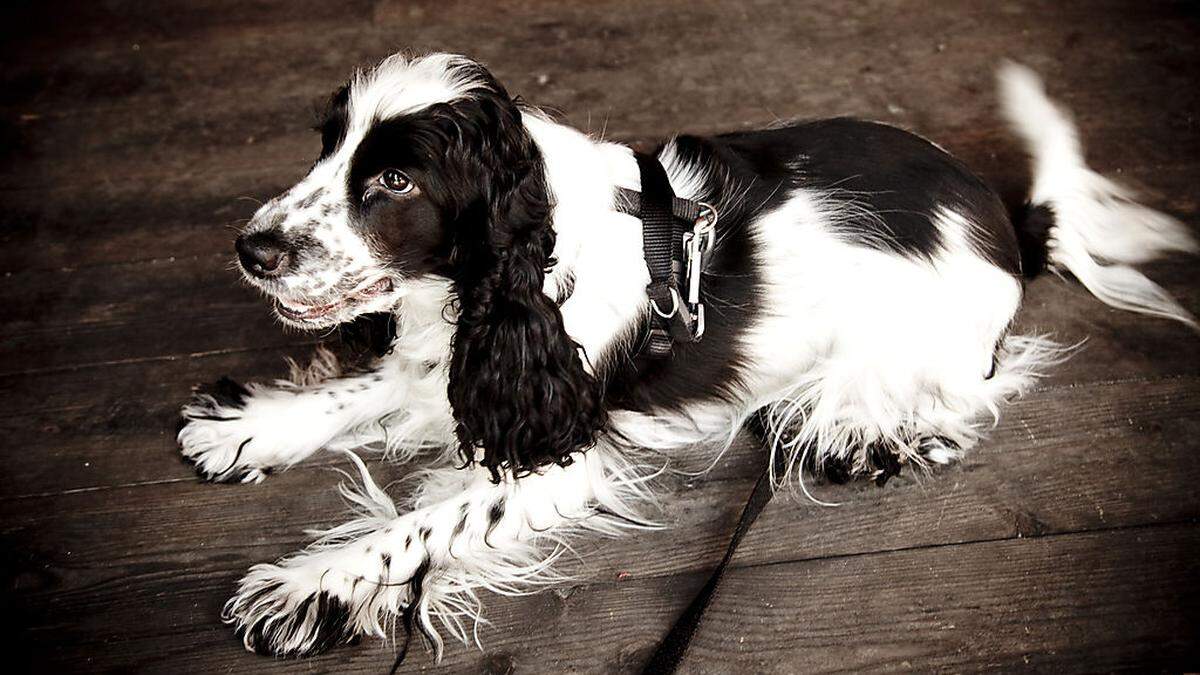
(322, 315)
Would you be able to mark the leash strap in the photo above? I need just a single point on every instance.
(671, 650)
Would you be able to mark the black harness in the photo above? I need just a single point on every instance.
(677, 239)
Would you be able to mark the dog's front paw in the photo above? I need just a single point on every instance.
(283, 611)
(214, 434)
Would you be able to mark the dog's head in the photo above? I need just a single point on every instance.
(428, 171)
(409, 151)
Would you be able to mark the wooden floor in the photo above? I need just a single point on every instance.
(135, 135)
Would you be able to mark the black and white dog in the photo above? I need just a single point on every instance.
(860, 291)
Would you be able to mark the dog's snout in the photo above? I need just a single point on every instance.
(263, 254)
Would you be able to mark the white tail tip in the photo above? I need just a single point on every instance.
(1099, 230)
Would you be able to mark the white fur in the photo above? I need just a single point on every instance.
(1100, 231)
(601, 248)
(854, 346)
(892, 349)
(447, 526)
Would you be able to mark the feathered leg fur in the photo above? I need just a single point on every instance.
(461, 533)
(241, 433)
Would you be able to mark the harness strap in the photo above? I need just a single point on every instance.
(671, 650)
(665, 219)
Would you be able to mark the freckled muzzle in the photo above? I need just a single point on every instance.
(308, 286)
(303, 251)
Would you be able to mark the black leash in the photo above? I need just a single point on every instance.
(671, 650)
(677, 236)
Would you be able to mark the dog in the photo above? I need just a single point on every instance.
(853, 283)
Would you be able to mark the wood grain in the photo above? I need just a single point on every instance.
(134, 136)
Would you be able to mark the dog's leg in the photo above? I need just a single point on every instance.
(241, 433)
(859, 426)
(464, 533)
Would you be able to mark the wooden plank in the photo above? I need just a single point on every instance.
(1063, 460)
(1003, 605)
(166, 308)
(1113, 344)
(184, 100)
(117, 208)
(35, 30)
(123, 431)
(259, 133)
(72, 229)
(1057, 466)
(946, 36)
(996, 605)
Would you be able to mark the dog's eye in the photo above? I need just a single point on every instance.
(395, 181)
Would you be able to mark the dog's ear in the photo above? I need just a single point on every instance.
(520, 394)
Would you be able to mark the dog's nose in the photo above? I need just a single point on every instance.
(263, 254)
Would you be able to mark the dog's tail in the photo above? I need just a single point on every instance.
(1079, 221)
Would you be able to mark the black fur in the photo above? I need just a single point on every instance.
(461, 525)
(414, 230)
(731, 292)
(895, 175)
(331, 627)
(480, 216)
(1033, 223)
(517, 384)
(227, 392)
(333, 122)
(409, 614)
(371, 333)
(495, 513)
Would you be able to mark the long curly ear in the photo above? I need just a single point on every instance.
(518, 387)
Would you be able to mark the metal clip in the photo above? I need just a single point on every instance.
(697, 244)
